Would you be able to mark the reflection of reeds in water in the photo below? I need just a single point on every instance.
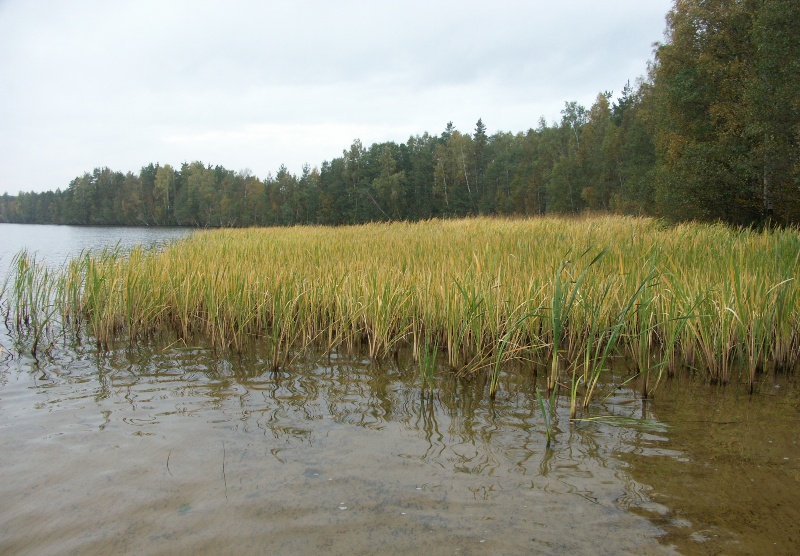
(485, 291)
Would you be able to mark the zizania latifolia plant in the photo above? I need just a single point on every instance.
(481, 295)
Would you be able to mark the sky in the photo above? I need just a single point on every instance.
(252, 85)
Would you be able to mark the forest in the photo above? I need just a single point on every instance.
(711, 133)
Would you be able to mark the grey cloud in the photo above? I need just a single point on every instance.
(91, 82)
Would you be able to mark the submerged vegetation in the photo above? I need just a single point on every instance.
(566, 296)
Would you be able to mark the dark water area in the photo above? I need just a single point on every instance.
(171, 449)
(736, 482)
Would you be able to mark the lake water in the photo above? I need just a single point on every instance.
(55, 244)
(169, 449)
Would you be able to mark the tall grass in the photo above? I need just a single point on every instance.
(484, 291)
(32, 302)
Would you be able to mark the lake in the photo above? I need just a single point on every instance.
(56, 243)
(169, 448)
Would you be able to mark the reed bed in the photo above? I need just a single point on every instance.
(476, 294)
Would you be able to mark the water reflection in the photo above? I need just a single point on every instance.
(332, 455)
(461, 429)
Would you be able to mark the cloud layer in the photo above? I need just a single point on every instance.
(258, 84)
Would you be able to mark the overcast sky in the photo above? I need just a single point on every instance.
(256, 84)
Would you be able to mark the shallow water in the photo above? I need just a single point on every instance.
(177, 452)
(735, 487)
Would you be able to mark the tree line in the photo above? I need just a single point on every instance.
(711, 133)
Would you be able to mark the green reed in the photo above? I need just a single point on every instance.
(511, 343)
(641, 315)
(599, 345)
(32, 301)
(427, 366)
(564, 298)
(548, 414)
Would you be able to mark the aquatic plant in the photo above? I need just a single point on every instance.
(511, 343)
(427, 367)
(599, 344)
(486, 292)
(32, 302)
(548, 414)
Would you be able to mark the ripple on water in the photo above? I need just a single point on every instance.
(173, 451)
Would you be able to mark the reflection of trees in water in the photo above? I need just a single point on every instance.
(459, 427)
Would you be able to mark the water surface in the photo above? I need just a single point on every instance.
(175, 451)
(56, 244)
(735, 486)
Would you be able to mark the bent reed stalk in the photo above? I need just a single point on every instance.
(483, 291)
